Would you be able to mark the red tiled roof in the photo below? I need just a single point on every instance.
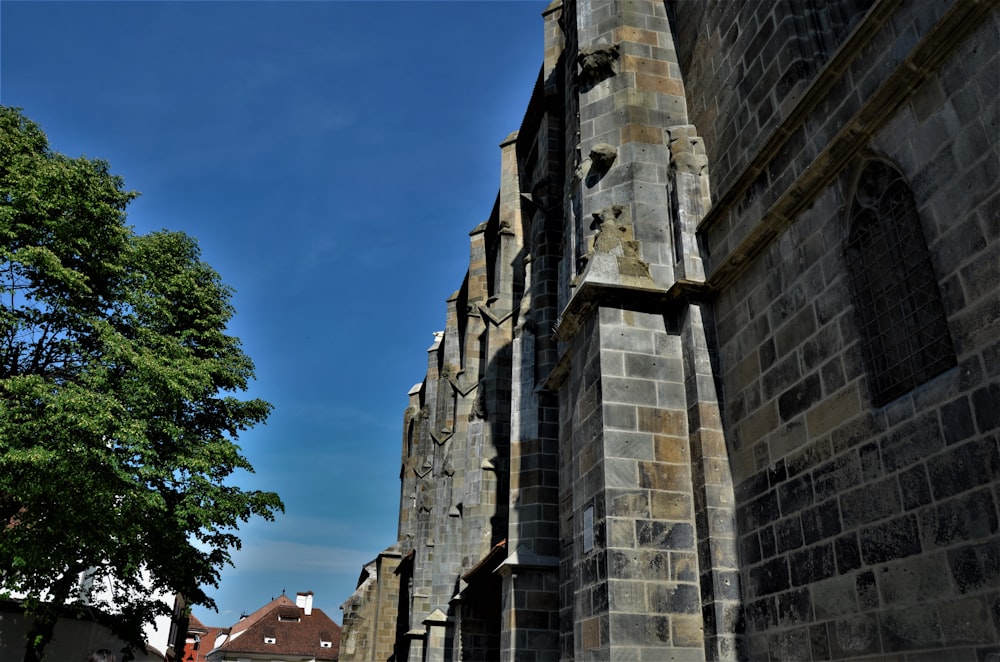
(195, 625)
(207, 635)
(488, 562)
(291, 637)
(247, 621)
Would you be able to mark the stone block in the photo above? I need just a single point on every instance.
(670, 598)
(836, 476)
(854, 432)
(962, 467)
(621, 532)
(854, 636)
(794, 608)
(834, 410)
(872, 502)
(629, 596)
(789, 645)
(812, 564)
(721, 523)
(887, 541)
(633, 445)
(786, 438)
(984, 401)
(807, 458)
(956, 420)
(975, 567)
(620, 473)
(662, 476)
(796, 330)
(788, 534)
(627, 339)
(637, 629)
(847, 552)
(673, 506)
(819, 642)
(832, 376)
(871, 462)
(644, 366)
(612, 363)
(664, 535)
(683, 566)
(590, 633)
(619, 416)
(795, 494)
(686, 631)
(913, 628)
(968, 517)
(759, 423)
(912, 442)
(834, 597)
(759, 512)
(627, 390)
(914, 487)
(670, 449)
(769, 577)
(780, 377)
(745, 372)
(867, 589)
(800, 397)
(661, 421)
(912, 580)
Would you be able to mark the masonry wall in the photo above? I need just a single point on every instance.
(864, 529)
(746, 65)
(648, 429)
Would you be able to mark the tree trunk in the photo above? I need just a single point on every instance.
(182, 620)
(40, 633)
(45, 616)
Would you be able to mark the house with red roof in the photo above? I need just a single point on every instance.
(280, 630)
(201, 639)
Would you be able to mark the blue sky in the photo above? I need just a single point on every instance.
(331, 158)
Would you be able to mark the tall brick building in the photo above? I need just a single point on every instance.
(722, 379)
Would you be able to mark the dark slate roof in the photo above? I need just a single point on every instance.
(301, 637)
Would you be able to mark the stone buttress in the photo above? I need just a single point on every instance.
(663, 425)
(645, 489)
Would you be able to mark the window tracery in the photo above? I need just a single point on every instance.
(904, 333)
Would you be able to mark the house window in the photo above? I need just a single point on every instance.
(270, 640)
(904, 332)
(326, 644)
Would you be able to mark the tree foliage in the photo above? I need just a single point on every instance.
(118, 408)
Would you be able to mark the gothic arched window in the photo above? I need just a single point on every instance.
(410, 445)
(904, 332)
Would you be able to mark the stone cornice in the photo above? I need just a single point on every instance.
(926, 58)
(590, 296)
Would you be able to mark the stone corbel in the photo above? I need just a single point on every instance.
(440, 438)
(597, 63)
(687, 150)
(614, 237)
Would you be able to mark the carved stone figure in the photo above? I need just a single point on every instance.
(602, 156)
(597, 63)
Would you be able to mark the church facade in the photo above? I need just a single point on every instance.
(722, 381)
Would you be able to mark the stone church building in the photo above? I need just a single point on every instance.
(721, 382)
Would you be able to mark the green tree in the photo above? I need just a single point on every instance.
(118, 419)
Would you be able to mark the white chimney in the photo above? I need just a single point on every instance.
(304, 601)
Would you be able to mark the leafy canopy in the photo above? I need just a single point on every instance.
(118, 418)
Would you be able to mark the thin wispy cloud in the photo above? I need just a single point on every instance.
(263, 554)
(330, 158)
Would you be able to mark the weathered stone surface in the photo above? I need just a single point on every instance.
(656, 425)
